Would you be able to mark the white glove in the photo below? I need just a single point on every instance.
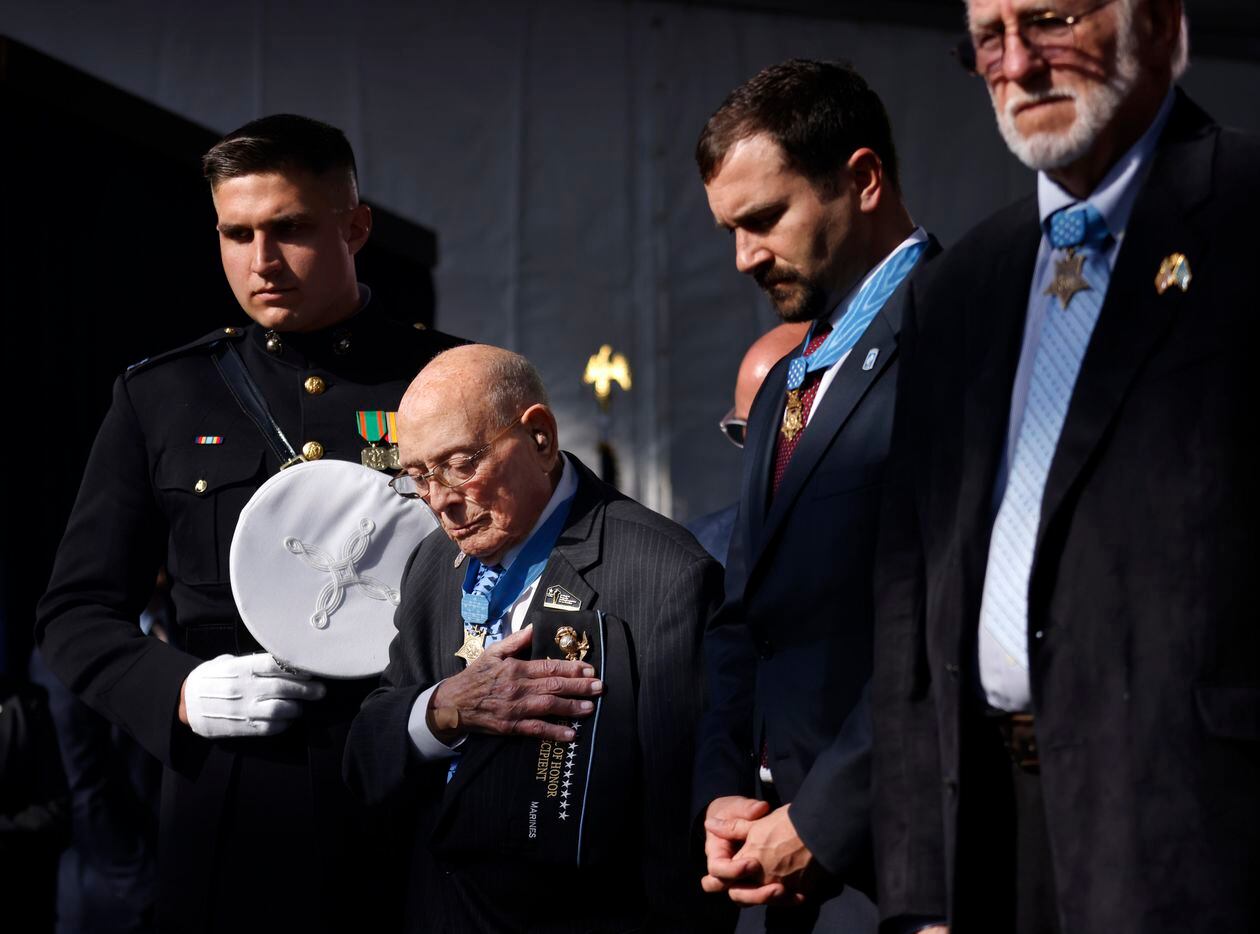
(245, 695)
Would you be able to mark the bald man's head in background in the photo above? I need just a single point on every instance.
(765, 352)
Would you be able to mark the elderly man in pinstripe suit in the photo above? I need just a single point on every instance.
(539, 708)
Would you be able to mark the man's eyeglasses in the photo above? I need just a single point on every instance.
(735, 429)
(451, 473)
(1048, 34)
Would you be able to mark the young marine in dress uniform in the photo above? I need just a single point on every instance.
(252, 803)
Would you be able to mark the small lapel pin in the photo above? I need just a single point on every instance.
(571, 644)
(209, 439)
(870, 358)
(557, 598)
(459, 559)
(1174, 270)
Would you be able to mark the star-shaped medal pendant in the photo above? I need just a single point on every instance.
(1067, 278)
(474, 644)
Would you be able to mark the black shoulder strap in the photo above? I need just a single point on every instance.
(245, 391)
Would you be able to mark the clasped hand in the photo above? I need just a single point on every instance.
(754, 854)
(501, 694)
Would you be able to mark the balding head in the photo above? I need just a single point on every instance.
(765, 352)
(497, 383)
(487, 404)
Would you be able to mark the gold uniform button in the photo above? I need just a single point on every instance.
(312, 450)
(200, 487)
(315, 385)
(230, 332)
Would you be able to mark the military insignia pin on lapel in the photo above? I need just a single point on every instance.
(573, 647)
(1174, 270)
(557, 598)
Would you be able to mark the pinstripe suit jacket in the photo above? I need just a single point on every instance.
(641, 569)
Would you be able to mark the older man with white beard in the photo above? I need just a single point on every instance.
(1067, 703)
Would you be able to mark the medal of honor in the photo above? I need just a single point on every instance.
(474, 644)
(793, 415)
(1068, 279)
(380, 432)
(826, 344)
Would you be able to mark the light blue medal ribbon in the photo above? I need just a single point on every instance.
(477, 608)
(849, 330)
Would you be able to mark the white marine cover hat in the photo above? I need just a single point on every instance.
(317, 563)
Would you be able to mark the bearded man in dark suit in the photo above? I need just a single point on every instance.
(1066, 697)
(799, 166)
(546, 742)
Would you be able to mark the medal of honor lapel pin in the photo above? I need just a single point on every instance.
(1174, 270)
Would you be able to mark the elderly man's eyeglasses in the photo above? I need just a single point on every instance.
(735, 429)
(1049, 34)
(451, 473)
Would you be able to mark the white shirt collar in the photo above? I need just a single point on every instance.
(564, 490)
(1113, 197)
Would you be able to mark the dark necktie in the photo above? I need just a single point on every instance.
(784, 447)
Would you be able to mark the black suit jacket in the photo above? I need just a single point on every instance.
(1142, 624)
(788, 656)
(653, 581)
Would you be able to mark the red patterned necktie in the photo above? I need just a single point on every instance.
(783, 446)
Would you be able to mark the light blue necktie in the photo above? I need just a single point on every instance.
(1065, 334)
